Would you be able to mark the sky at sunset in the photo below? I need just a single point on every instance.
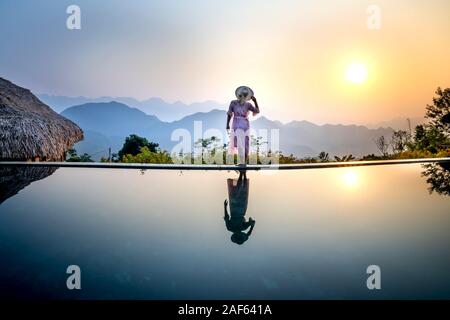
(305, 60)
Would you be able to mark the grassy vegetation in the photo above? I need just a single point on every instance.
(147, 156)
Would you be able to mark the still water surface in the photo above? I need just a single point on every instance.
(164, 234)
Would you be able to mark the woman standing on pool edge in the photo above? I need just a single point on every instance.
(239, 135)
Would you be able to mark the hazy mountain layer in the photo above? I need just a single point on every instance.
(107, 124)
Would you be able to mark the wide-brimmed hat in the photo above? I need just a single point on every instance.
(244, 92)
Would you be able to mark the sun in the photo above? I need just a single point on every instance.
(356, 73)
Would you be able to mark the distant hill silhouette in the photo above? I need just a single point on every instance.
(398, 123)
(111, 118)
(107, 124)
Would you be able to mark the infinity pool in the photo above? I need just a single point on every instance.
(161, 234)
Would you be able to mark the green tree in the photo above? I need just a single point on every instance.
(209, 144)
(210, 147)
(382, 145)
(133, 145)
(399, 141)
(429, 139)
(346, 158)
(323, 157)
(258, 142)
(147, 156)
(438, 113)
(74, 157)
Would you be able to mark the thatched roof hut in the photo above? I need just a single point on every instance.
(14, 179)
(31, 130)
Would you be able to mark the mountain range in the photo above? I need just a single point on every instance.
(175, 111)
(155, 106)
(106, 124)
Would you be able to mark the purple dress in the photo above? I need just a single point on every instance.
(240, 124)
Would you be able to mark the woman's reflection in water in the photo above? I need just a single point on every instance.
(235, 221)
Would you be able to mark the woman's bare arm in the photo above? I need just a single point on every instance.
(228, 121)
(256, 103)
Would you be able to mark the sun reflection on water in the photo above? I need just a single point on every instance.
(350, 178)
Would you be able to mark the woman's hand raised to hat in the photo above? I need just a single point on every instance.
(256, 103)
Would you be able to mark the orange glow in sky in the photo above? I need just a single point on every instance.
(313, 60)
